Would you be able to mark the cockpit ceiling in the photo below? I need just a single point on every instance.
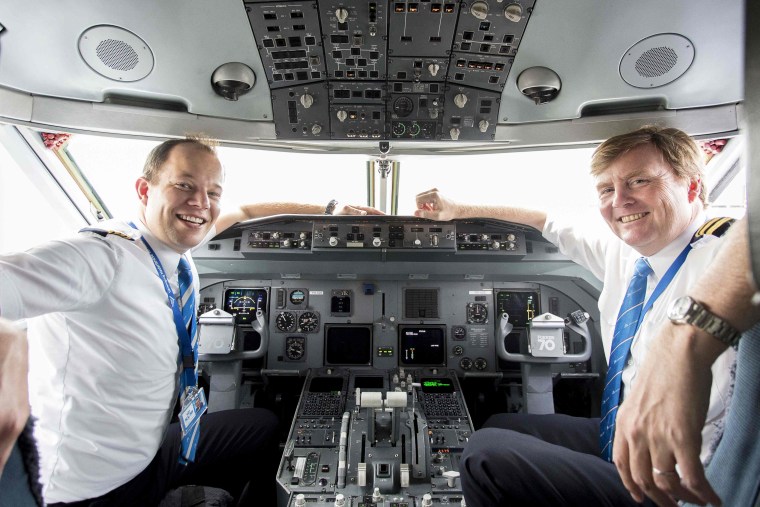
(425, 76)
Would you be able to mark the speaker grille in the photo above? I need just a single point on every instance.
(117, 54)
(421, 304)
(656, 62)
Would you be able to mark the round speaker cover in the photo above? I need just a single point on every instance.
(657, 60)
(115, 53)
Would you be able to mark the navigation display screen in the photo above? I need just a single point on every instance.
(422, 345)
(521, 306)
(347, 344)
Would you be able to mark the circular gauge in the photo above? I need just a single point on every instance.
(297, 297)
(243, 303)
(481, 364)
(459, 332)
(308, 322)
(285, 321)
(477, 313)
(458, 350)
(295, 347)
(403, 106)
(414, 129)
(465, 363)
(398, 129)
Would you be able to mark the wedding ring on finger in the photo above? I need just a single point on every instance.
(657, 471)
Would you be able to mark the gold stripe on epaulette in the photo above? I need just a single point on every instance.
(121, 235)
(714, 227)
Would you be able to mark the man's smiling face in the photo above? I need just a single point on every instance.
(182, 204)
(644, 202)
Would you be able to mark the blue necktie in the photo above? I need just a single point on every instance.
(625, 330)
(188, 376)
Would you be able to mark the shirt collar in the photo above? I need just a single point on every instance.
(662, 260)
(168, 257)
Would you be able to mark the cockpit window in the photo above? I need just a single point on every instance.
(545, 179)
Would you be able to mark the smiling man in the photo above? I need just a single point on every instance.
(112, 348)
(652, 197)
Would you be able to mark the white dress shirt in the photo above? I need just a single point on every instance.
(612, 261)
(103, 355)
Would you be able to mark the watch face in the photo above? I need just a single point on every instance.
(679, 308)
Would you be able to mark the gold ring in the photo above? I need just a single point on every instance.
(657, 471)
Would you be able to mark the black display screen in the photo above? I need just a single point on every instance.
(422, 345)
(521, 306)
(437, 385)
(326, 384)
(369, 382)
(348, 344)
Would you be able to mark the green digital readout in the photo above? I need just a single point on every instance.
(437, 385)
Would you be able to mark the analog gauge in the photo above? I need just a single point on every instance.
(459, 332)
(297, 297)
(285, 321)
(398, 129)
(403, 106)
(465, 363)
(458, 350)
(477, 313)
(308, 322)
(295, 347)
(414, 129)
(481, 364)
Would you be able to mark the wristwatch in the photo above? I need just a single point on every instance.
(330, 207)
(687, 310)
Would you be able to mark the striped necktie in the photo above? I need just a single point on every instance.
(188, 376)
(625, 330)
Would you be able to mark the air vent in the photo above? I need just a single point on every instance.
(115, 53)
(657, 60)
(421, 304)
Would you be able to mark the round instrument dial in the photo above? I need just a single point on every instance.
(308, 322)
(477, 313)
(295, 347)
(459, 332)
(297, 297)
(285, 321)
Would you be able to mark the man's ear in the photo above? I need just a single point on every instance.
(142, 185)
(695, 187)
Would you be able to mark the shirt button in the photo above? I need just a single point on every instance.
(630, 362)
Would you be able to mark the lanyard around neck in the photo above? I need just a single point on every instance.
(663, 283)
(183, 335)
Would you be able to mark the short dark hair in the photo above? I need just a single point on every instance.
(158, 155)
(678, 149)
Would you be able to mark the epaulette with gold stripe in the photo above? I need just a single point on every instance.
(713, 227)
(106, 232)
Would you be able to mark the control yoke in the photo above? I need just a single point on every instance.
(546, 346)
(216, 343)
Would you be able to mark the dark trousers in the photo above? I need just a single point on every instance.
(539, 460)
(235, 447)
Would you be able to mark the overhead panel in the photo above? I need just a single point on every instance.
(380, 70)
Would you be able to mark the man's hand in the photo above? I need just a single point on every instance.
(431, 204)
(660, 423)
(14, 366)
(353, 209)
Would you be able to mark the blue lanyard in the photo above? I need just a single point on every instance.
(183, 335)
(664, 282)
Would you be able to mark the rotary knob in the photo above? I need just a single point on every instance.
(433, 68)
(342, 115)
(300, 500)
(483, 125)
(513, 12)
(307, 100)
(454, 133)
(495, 245)
(316, 129)
(460, 99)
(427, 500)
(302, 235)
(510, 237)
(479, 9)
(417, 242)
(275, 235)
(376, 242)
(286, 243)
(333, 241)
(342, 14)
